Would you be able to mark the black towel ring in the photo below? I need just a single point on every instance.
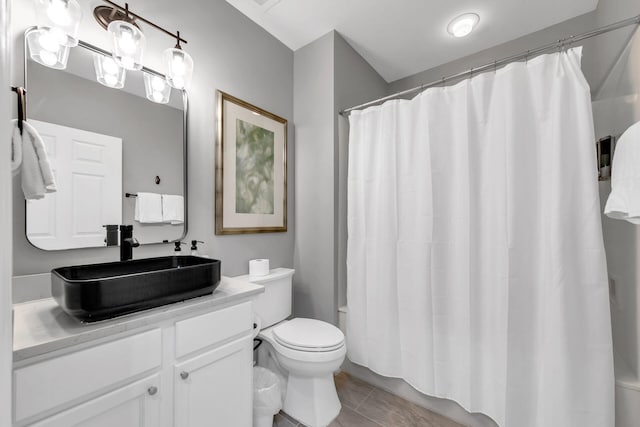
(22, 105)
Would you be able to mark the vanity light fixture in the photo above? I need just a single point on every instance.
(58, 22)
(179, 65)
(108, 72)
(128, 44)
(157, 88)
(463, 25)
(57, 31)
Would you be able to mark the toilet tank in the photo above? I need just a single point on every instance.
(274, 305)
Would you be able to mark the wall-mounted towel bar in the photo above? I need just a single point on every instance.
(130, 195)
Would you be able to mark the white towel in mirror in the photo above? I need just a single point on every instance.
(173, 209)
(148, 208)
(37, 176)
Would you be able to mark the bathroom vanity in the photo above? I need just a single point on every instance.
(187, 364)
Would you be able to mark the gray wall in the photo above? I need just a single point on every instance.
(147, 151)
(232, 54)
(329, 76)
(315, 287)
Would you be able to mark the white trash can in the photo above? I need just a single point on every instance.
(267, 400)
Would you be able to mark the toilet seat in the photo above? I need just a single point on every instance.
(301, 355)
(308, 335)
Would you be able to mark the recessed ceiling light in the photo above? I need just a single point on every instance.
(463, 24)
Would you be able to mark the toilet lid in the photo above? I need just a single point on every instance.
(309, 335)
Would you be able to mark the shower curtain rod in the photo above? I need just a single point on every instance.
(514, 58)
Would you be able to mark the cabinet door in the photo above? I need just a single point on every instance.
(216, 388)
(134, 405)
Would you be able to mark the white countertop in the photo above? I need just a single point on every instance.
(41, 326)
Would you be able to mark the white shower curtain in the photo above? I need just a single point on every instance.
(475, 260)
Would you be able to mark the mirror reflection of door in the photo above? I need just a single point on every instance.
(88, 171)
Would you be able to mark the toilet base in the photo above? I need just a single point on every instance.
(313, 401)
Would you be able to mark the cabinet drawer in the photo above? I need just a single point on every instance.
(46, 385)
(136, 404)
(208, 329)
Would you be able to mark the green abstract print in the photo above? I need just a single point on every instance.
(254, 169)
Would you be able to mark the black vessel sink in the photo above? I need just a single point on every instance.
(102, 291)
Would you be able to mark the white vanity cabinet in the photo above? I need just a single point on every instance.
(189, 371)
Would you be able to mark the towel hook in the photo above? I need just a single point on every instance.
(22, 105)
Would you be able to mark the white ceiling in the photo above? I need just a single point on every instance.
(402, 37)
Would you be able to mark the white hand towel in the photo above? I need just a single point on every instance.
(16, 148)
(148, 209)
(173, 209)
(37, 177)
(624, 200)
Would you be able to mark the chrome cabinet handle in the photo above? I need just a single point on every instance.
(152, 390)
(184, 375)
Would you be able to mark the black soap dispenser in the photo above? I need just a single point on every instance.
(194, 247)
(177, 250)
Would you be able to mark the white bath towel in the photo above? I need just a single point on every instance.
(16, 148)
(148, 209)
(173, 209)
(37, 177)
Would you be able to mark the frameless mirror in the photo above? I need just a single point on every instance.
(105, 146)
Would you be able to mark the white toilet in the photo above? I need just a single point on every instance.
(306, 352)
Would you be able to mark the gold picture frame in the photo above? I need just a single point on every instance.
(251, 168)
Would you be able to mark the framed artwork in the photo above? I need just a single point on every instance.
(251, 169)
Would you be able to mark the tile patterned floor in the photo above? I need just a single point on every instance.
(364, 405)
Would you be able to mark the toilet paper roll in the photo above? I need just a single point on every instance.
(258, 267)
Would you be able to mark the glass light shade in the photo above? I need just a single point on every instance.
(157, 88)
(179, 67)
(108, 72)
(128, 44)
(463, 25)
(61, 17)
(45, 51)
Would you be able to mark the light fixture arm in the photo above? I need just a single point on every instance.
(126, 10)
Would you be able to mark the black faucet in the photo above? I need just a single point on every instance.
(127, 242)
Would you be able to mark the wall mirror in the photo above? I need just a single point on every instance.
(105, 145)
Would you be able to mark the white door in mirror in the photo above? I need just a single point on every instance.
(88, 169)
